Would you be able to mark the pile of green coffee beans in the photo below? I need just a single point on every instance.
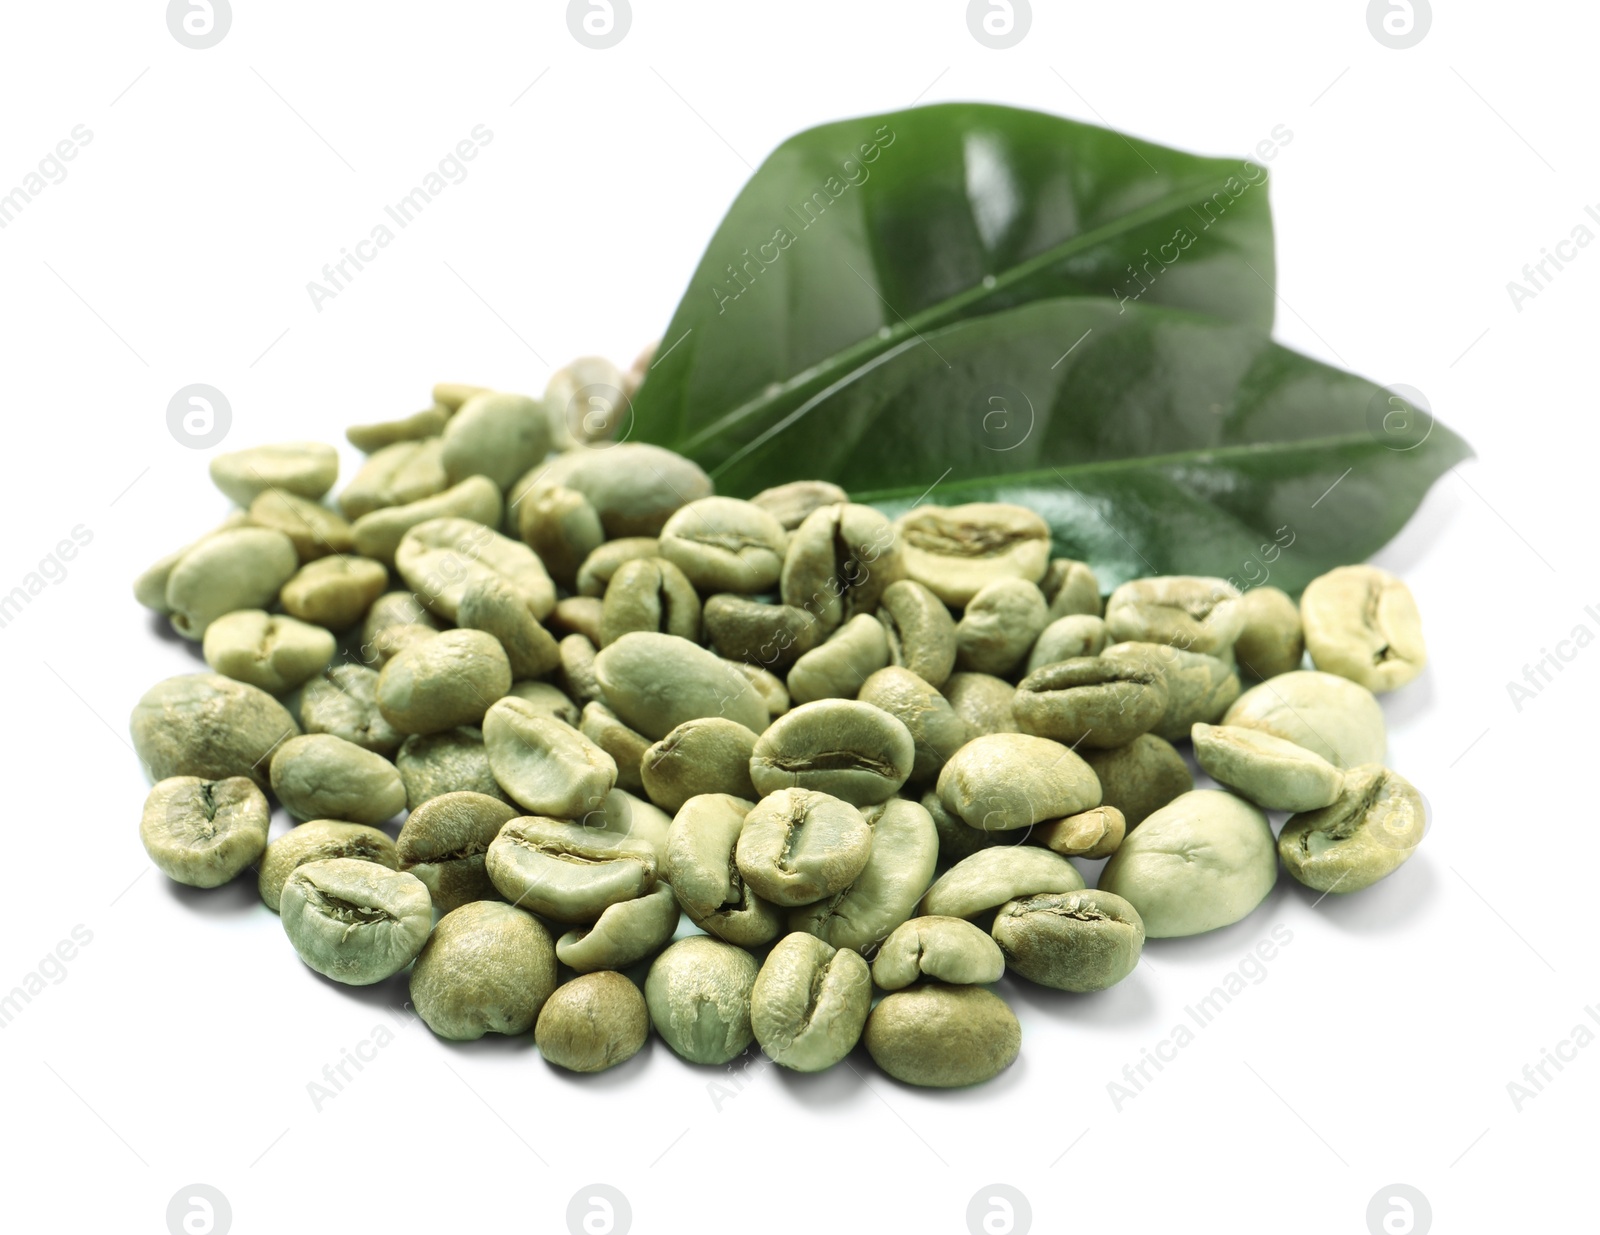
(853, 752)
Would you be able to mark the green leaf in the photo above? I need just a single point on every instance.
(1153, 441)
(854, 236)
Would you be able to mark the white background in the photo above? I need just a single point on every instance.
(179, 1045)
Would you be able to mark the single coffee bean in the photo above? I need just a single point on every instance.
(957, 838)
(994, 876)
(150, 588)
(582, 401)
(355, 922)
(490, 604)
(809, 1003)
(698, 993)
(379, 533)
(934, 726)
(1338, 719)
(1066, 638)
(634, 487)
(957, 551)
(626, 747)
(920, 631)
(1093, 701)
(392, 640)
(1071, 588)
(624, 934)
(451, 395)
(774, 636)
(837, 669)
(395, 609)
(984, 701)
(1140, 778)
(449, 680)
(649, 594)
(1070, 941)
(578, 615)
(656, 682)
(943, 1036)
(306, 469)
(566, 871)
(437, 559)
(416, 427)
(548, 700)
(842, 747)
(488, 967)
(949, 950)
(577, 677)
(206, 725)
(335, 592)
(630, 817)
(1187, 611)
(905, 849)
(315, 841)
(839, 562)
(343, 700)
(547, 767)
(708, 755)
(242, 568)
(204, 832)
(495, 435)
(1374, 826)
(1200, 688)
(1093, 833)
(315, 530)
(601, 566)
(443, 843)
(790, 504)
(1003, 781)
(1271, 642)
(592, 1023)
(1001, 623)
(769, 688)
(396, 476)
(1362, 623)
(1201, 862)
(798, 846)
(454, 761)
(723, 544)
(699, 864)
(319, 776)
(1272, 773)
(274, 653)
(560, 525)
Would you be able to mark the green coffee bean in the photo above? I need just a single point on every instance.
(1141, 777)
(837, 668)
(774, 636)
(150, 588)
(1066, 638)
(649, 594)
(957, 551)
(656, 682)
(1201, 862)
(274, 653)
(449, 680)
(839, 561)
(394, 609)
(335, 592)
(592, 1023)
(790, 504)
(453, 761)
(443, 843)
(319, 776)
(489, 603)
(548, 700)
(416, 427)
(634, 487)
(315, 530)
(396, 476)
(1003, 781)
(578, 615)
(957, 838)
(560, 525)
(597, 570)
(1271, 642)
(547, 767)
(495, 435)
(708, 755)
(242, 568)
(1093, 701)
(566, 871)
(1001, 623)
(905, 849)
(698, 993)
(1362, 623)
(769, 688)
(994, 876)
(809, 1003)
(315, 841)
(1187, 611)
(698, 862)
(946, 949)
(1272, 773)
(1333, 716)
(842, 747)
(1071, 588)
(204, 832)
(1374, 826)
(378, 533)
(723, 544)
(934, 726)
(586, 401)
(355, 922)
(306, 469)
(451, 395)
(798, 846)
(628, 816)
(343, 700)
(1072, 941)
(624, 934)
(1200, 688)
(577, 676)
(627, 749)
(488, 967)
(206, 725)
(1093, 833)
(983, 701)
(437, 559)
(920, 631)
(943, 1036)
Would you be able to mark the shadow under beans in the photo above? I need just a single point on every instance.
(1411, 703)
(494, 1044)
(393, 994)
(1384, 907)
(831, 1089)
(237, 896)
(1129, 1004)
(161, 627)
